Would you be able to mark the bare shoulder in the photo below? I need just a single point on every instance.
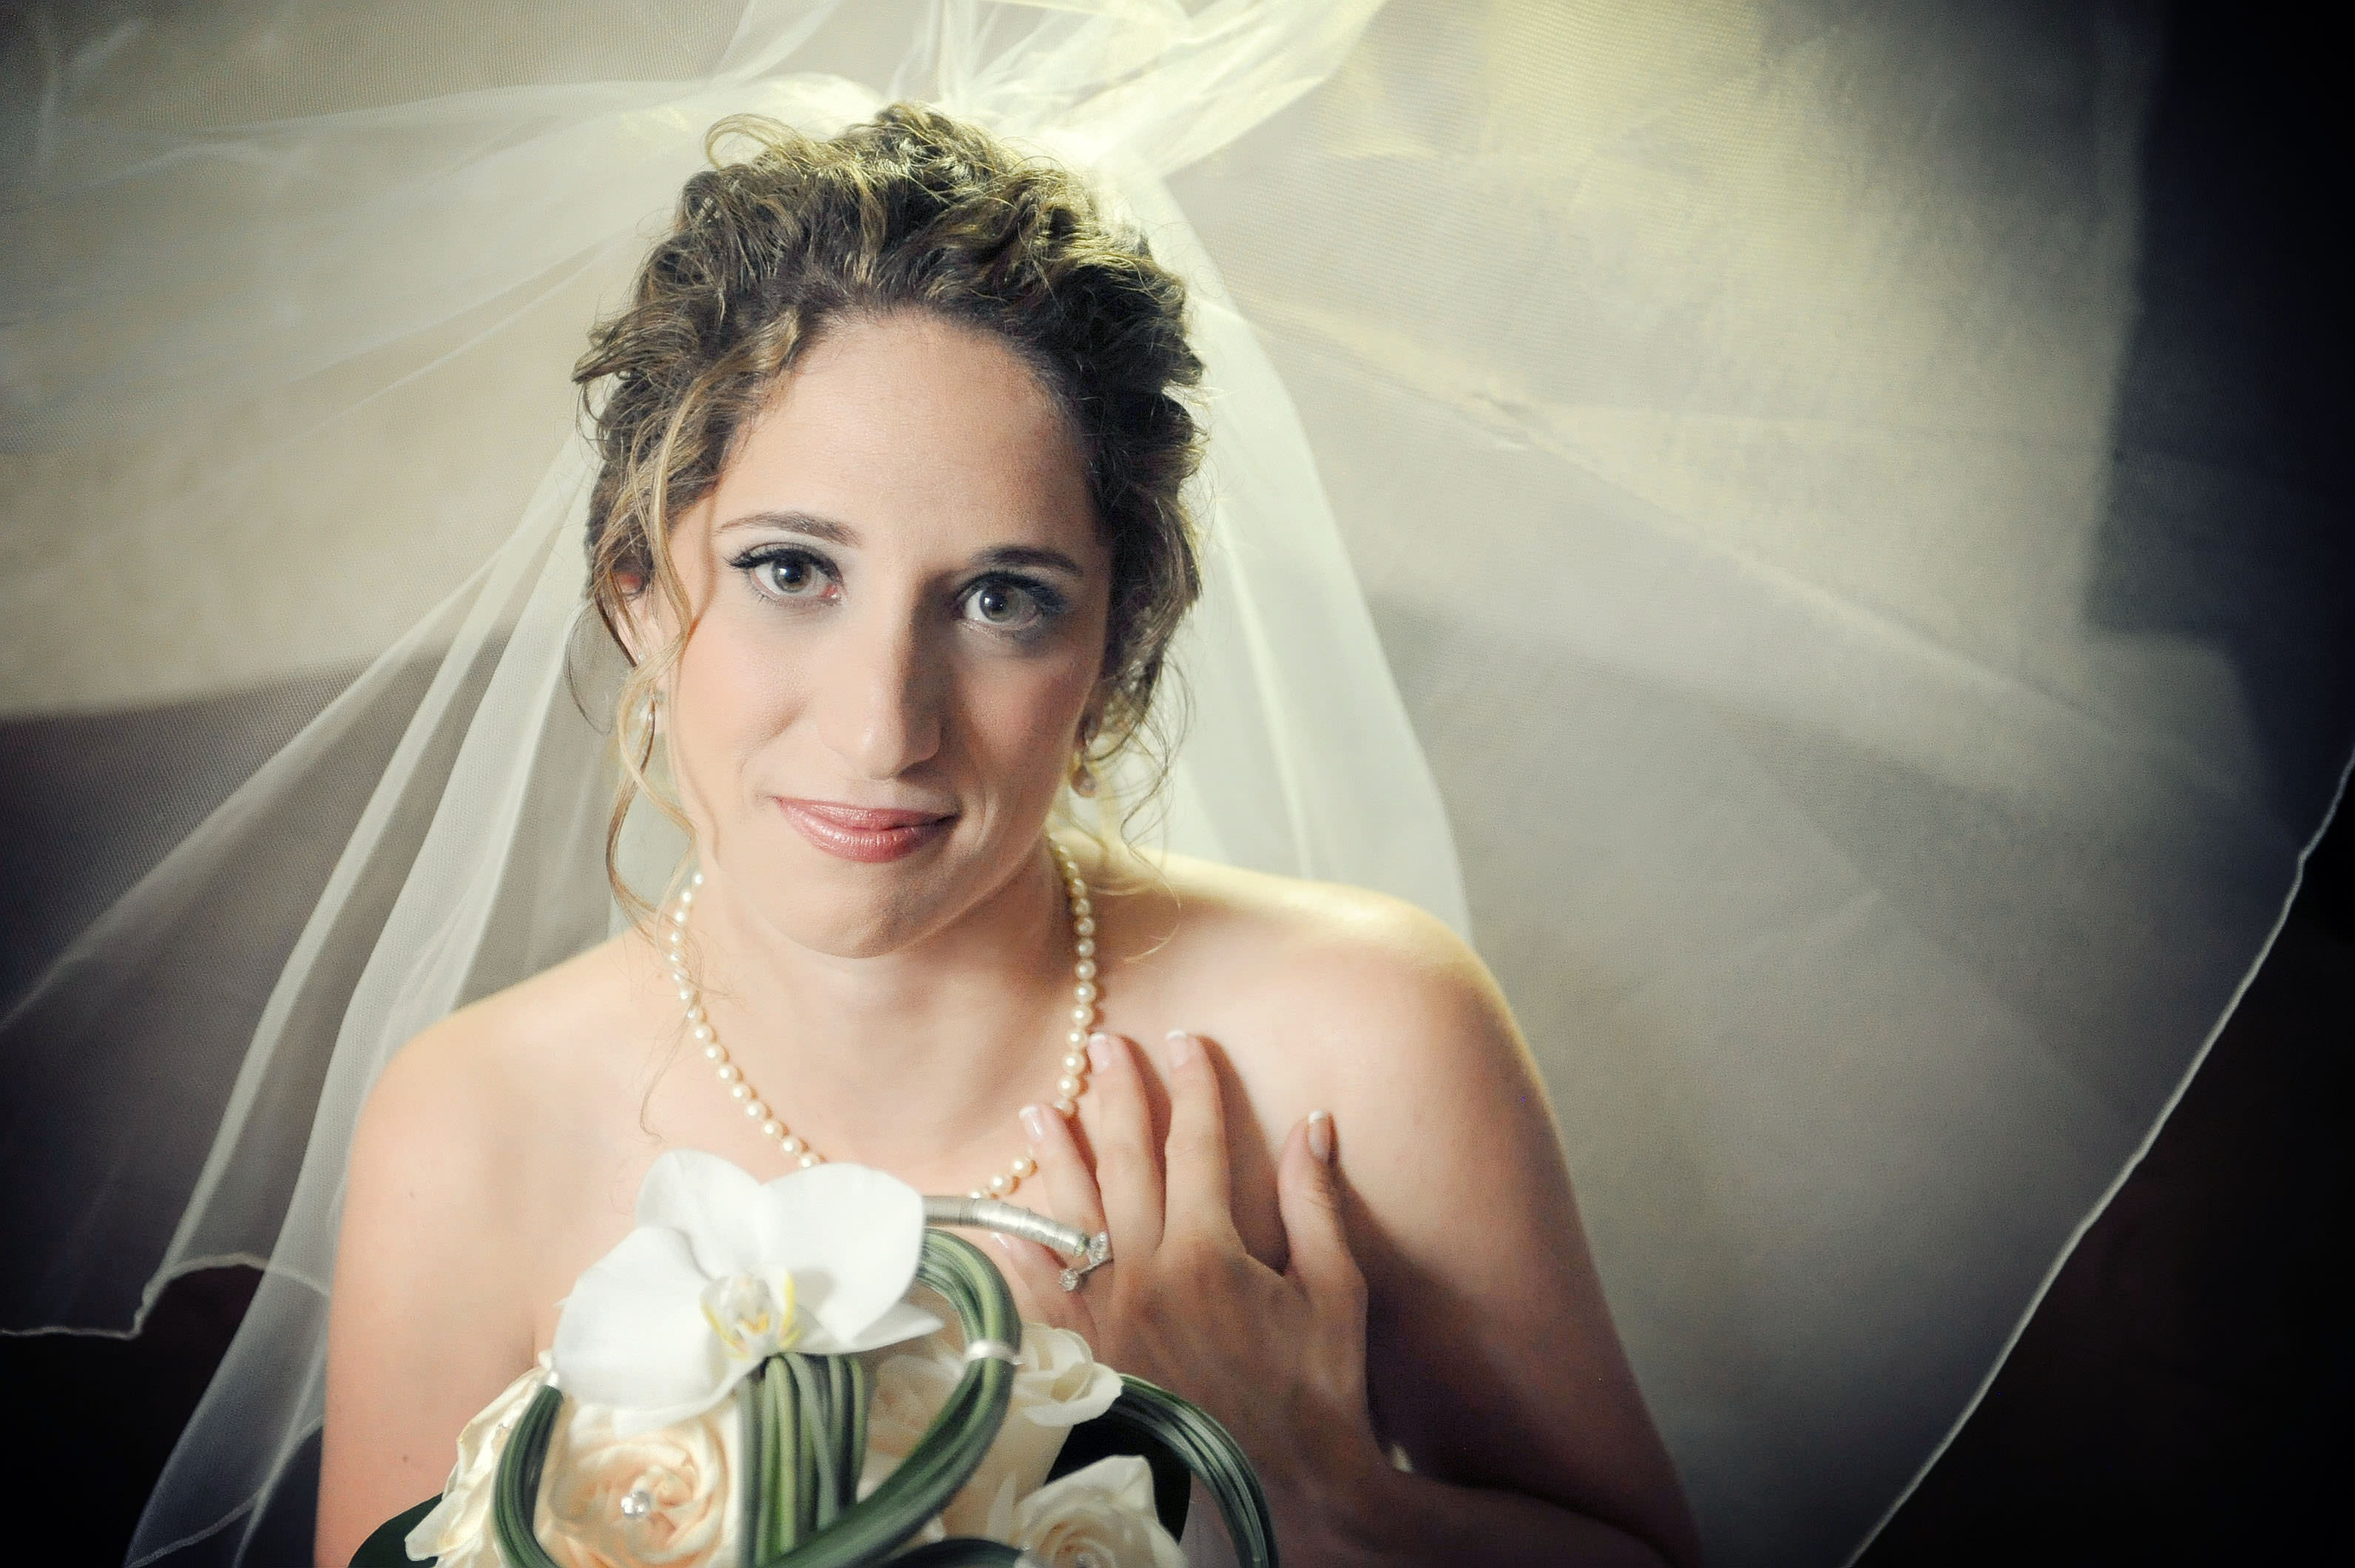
(1336, 998)
(464, 1151)
(1236, 902)
(464, 1069)
(461, 1109)
(1340, 976)
(1492, 1356)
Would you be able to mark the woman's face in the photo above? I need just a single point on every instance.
(901, 597)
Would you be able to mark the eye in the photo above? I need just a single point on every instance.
(789, 574)
(1008, 604)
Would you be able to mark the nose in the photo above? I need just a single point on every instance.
(881, 702)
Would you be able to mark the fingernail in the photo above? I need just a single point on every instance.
(1181, 1048)
(1320, 1136)
(1034, 1122)
(1100, 1050)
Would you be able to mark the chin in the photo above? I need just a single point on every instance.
(848, 908)
(863, 915)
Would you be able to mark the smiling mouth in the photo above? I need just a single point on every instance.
(864, 833)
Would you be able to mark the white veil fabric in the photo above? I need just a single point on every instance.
(1721, 407)
(289, 252)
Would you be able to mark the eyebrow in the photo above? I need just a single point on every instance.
(811, 526)
(1028, 555)
(808, 523)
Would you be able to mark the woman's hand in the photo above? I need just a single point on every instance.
(1280, 1358)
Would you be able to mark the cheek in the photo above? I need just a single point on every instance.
(1022, 723)
(732, 689)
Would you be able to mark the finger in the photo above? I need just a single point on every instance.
(1308, 1197)
(1201, 1200)
(1040, 1271)
(1072, 1195)
(1120, 1130)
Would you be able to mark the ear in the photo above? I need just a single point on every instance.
(1091, 716)
(649, 617)
(645, 620)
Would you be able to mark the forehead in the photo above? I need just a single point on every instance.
(916, 431)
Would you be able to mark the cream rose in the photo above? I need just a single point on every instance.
(1059, 1385)
(619, 1498)
(911, 1387)
(1100, 1517)
(458, 1529)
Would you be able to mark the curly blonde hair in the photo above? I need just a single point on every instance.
(914, 210)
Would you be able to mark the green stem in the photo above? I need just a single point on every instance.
(515, 1495)
(753, 1459)
(952, 1448)
(814, 1468)
(961, 1552)
(1206, 1449)
(858, 1394)
(772, 1415)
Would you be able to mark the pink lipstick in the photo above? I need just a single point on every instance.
(871, 835)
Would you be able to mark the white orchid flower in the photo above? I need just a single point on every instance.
(723, 1272)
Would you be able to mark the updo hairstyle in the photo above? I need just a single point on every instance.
(913, 211)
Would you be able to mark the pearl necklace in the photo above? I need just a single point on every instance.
(1067, 1088)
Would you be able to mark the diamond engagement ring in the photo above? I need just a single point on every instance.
(1099, 1254)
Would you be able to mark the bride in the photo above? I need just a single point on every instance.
(893, 434)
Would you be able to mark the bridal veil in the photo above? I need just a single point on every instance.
(1719, 407)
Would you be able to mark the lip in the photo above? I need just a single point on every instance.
(867, 834)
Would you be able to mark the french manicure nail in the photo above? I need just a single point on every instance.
(1034, 1122)
(1100, 1050)
(1320, 1136)
(1181, 1048)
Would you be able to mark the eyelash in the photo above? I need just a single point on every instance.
(759, 556)
(1048, 602)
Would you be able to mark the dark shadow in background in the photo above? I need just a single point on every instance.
(2176, 1396)
(2179, 1396)
(2231, 440)
(92, 801)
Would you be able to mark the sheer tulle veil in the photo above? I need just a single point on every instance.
(474, 860)
(1866, 887)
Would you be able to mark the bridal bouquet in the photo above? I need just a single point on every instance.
(744, 1381)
